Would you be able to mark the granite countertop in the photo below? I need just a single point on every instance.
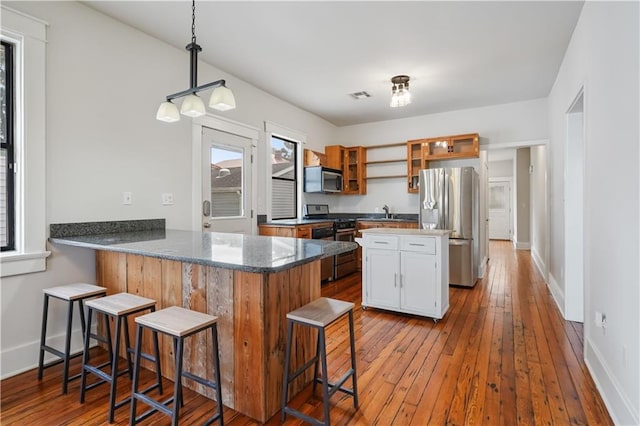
(405, 231)
(296, 222)
(249, 253)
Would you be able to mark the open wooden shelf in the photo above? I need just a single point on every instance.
(399, 160)
(386, 177)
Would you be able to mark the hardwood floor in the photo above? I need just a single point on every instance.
(501, 355)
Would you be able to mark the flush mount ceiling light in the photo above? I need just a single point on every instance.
(192, 106)
(400, 95)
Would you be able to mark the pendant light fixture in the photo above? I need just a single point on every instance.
(400, 95)
(221, 99)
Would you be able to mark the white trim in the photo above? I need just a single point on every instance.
(226, 125)
(506, 145)
(556, 293)
(617, 402)
(521, 246)
(270, 129)
(29, 36)
(482, 267)
(539, 263)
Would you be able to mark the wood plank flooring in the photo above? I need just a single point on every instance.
(502, 355)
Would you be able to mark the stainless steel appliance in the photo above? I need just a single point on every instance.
(447, 197)
(345, 263)
(342, 229)
(322, 179)
(326, 264)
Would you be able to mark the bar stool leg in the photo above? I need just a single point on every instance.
(67, 349)
(353, 360)
(136, 371)
(114, 369)
(156, 348)
(315, 369)
(285, 384)
(325, 376)
(177, 392)
(216, 365)
(127, 343)
(85, 357)
(43, 334)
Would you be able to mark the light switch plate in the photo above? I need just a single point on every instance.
(127, 198)
(167, 199)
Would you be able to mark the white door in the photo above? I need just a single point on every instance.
(383, 278)
(500, 210)
(418, 282)
(226, 186)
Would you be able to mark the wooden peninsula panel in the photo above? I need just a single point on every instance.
(251, 308)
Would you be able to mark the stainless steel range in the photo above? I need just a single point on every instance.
(344, 229)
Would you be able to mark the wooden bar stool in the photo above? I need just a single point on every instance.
(71, 293)
(179, 323)
(319, 314)
(119, 307)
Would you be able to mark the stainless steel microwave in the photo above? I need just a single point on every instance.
(322, 179)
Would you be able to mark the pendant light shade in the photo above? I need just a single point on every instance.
(192, 106)
(222, 99)
(400, 95)
(168, 112)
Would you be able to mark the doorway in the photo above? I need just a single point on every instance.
(500, 210)
(574, 212)
(226, 185)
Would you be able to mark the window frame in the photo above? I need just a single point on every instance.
(28, 35)
(295, 174)
(273, 129)
(9, 144)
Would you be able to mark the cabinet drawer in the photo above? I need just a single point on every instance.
(388, 242)
(304, 233)
(421, 244)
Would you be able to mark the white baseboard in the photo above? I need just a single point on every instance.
(556, 293)
(539, 263)
(522, 246)
(617, 402)
(23, 358)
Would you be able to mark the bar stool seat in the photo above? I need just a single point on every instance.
(118, 306)
(179, 323)
(319, 314)
(71, 293)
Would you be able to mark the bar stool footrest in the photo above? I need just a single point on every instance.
(303, 416)
(156, 406)
(302, 369)
(337, 386)
(203, 382)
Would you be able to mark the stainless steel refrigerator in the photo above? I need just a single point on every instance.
(447, 197)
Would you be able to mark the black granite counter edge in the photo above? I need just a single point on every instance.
(61, 230)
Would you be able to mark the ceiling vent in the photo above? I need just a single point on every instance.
(360, 95)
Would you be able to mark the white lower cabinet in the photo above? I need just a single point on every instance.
(406, 273)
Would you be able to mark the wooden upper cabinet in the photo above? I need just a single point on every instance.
(421, 151)
(314, 158)
(351, 161)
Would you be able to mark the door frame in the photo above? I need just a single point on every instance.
(225, 125)
(575, 216)
(511, 203)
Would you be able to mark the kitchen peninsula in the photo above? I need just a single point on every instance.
(250, 282)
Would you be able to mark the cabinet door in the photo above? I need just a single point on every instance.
(418, 283)
(382, 278)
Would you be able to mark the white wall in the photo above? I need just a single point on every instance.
(538, 182)
(603, 55)
(104, 83)
(501, 168)
(496, 125)
(523, 199)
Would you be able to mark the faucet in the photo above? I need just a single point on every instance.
(386, 211)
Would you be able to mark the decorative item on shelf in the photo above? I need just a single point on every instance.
(221, 99)
(400, 95)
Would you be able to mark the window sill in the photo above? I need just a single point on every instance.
(14, 263)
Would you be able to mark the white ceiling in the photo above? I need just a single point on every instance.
(314, 54)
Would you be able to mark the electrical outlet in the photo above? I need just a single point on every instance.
(127, 198)
(598, 319)
(167, 199)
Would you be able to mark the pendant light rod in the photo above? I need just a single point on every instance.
(221, 99)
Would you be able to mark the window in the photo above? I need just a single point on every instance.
(23, 40)
(284, 183)
(7, 189)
